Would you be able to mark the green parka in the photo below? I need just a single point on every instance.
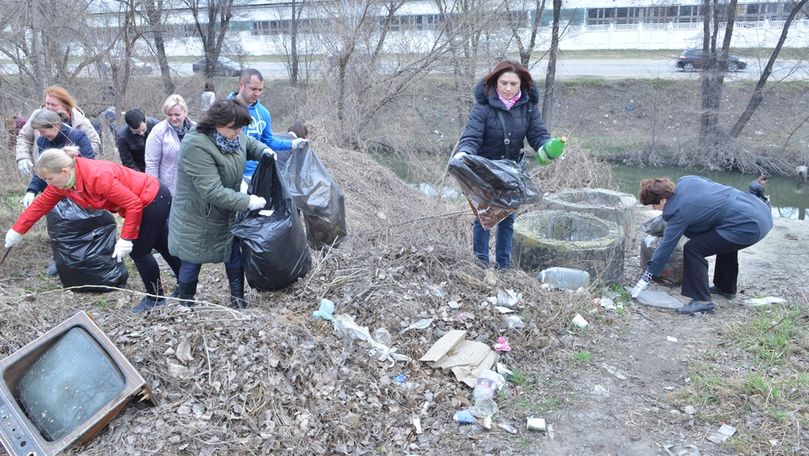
(207, 198)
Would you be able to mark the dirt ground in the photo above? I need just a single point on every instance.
(274, 380)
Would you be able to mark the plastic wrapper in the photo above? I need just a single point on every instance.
(318, 196)
(82, 241)
(274, 250)
(495, 188)
(654, 226)
(672, 273)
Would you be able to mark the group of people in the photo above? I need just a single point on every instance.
(718, 220)
(178, 188)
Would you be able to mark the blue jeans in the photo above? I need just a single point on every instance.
(502, 249)
(189, 272)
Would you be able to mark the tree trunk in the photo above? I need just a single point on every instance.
(758, 92)
(36, 47)
(294, 59)
(550, 75)
(154, 16)
(714, 69)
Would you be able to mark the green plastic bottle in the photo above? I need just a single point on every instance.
(555, 147)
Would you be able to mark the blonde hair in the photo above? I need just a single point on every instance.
(172, 101)
(62, 95)
(45, 118)
(53, 161)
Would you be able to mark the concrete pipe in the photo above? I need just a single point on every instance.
(616, 207)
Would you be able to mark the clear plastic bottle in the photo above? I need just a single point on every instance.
(485, 389)
(567, 278)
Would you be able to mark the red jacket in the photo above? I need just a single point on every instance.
(99, 185)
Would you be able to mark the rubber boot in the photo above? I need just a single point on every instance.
(186, 292)
(236, 282)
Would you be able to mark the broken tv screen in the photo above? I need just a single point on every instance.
(68, 384)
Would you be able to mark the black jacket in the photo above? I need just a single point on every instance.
(484, 135)
(132, 147)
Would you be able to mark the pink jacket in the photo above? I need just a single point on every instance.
(162, 147)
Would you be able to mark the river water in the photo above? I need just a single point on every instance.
(787, 198)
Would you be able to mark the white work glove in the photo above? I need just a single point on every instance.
(256, 202)
(458, 155)
(25, 166)
(12, 238)
(641, 285)
(300, 144)
(270, 152)
(122, 248)
(28, 199)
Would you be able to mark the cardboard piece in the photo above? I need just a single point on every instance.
(465, 358)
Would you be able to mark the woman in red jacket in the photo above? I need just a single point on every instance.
(95, 184)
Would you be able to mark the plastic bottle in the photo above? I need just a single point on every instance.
(485, 388)
(567, 278)
(555, 147)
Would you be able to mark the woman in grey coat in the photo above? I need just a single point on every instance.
(718, 220)
(207, 198)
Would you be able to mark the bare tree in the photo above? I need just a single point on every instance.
(153, 12)
(716, 65)
(526, 48)
(550, 75)
(758, 92)
(212, 21)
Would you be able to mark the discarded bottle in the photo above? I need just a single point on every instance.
(487, 385)
(566, 278)
(555, 147)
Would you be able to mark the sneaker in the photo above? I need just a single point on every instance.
(148, 303)
(719, 292)
(695, 307)
(52, 271)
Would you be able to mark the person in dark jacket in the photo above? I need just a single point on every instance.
(132, 139)
(505, 115)
(140, 199)
(718, 220)
(757, 187)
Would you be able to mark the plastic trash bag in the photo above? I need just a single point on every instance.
(82, 241)
(318, 197)
(672, 273)
(494, 188)
(274, 250)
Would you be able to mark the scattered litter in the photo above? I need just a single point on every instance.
(465, 358)
(421, 324)
(514, 322)
(503, 370)
(723, 433)
(345, 326)
(486, 387)
(655, 298)
(454, 304)
(579, 321)
(417, 424)
(689, 410)
(326, 310)
(535, 424)
(504, 310)
(671, 339)
(507, 427)
(607, 303)
(508, 298)
(766, 301)
(401, 378)
(615, 372)
(681, 450)
(773, 442)
(502, 345)
(464, 417)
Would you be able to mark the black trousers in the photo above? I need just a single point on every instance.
(153, 234)
(695, 265)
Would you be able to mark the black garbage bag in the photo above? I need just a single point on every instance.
(82, 241)
(274, 250)
(495, 188)
(319, 198)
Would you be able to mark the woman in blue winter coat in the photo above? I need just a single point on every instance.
(505, 115)
(718, 220)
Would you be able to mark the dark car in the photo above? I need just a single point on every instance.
(694, 59)
(222, 67)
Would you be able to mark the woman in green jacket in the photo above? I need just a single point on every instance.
(207, 199)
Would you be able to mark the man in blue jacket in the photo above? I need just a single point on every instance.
(251, 84)
(718, 220)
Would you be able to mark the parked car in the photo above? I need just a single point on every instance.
(694, 59)
(222, 67)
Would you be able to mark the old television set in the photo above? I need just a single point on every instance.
(63, 388)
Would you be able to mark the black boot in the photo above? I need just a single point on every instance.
(149, 302)
(696, 306)
(236, 282)
(186, 292)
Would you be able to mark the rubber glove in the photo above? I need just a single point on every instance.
(28, 199)
(458, 155)
(299, 144)
(25, 166)
(256, 202)
(122, 248)
(270, 152)
(641, 285)
(12, 238)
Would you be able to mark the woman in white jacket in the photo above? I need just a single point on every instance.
(163, 143)
(58, 100)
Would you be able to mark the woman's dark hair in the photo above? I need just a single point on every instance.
(490, 80)
(223, 113)
(299, 129)
(134, 117)
(656, 189)
(209, 86)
